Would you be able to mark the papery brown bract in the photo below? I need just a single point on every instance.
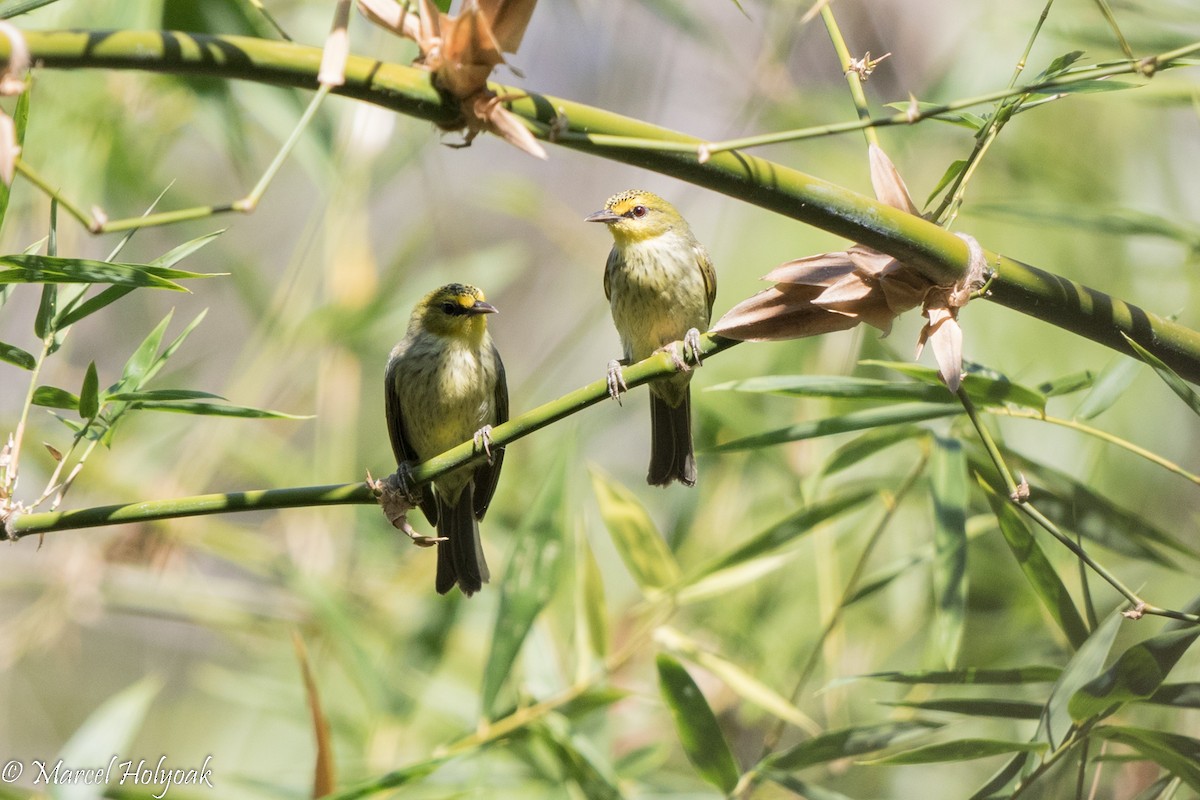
(461, 51)
(835, 291)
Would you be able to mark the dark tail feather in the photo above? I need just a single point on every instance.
(460, 560)
(671, 456)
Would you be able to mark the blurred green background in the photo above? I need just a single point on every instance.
(372, 211)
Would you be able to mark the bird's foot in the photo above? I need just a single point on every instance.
(396, 498)
(482, 440)
(616, 381)
(691, 346)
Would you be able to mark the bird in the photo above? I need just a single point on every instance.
(660, 284)
(444, 385)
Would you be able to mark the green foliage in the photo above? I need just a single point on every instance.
(857, 597)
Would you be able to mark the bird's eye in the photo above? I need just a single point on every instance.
(639, 211)
(448, 307)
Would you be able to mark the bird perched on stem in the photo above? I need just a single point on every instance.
(661, 284)
(444, 385)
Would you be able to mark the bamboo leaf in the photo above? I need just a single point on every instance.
(1084, 666)
(164, 395)
(869, 444)
(110, 728)
(1179, 754)
(1067, 384)
(972, 676)
(634, 534)
(948, 484)
(1169, 376)
(591, 617)
(985, 388)
(699, 733)
(741, 682)
(1110, 384)
(1038, 570)
(529, 581)
(847, 742)
(89, 395)
(139, 362)
(100, 300)
(959, 750)
(1181, 695)
(579, 760)
(1136, 675)
(43, 321)
(953, 171)
(53, 270)
(53, 397)
(180, 252)
(964, 119)
(786, 531)
(977, 707)
(837, 386)
(804, 789)
(14, 355)
(217, 410)
(844, 423)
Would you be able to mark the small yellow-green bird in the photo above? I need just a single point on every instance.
(661, 285)
(445, 385)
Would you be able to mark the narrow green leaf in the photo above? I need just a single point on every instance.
(1179, 754)
(787, 530)
(177, 254)
(736, 678)
(1003, 777)
(16, 356)
(1059, 65)
(1169, 376)
(13, 8)
(89, 395)
(133, 376)
(959, 750)
(1068, 384)
(591, 610)
(964, 119)
(110, 728)
(1038, 570)
(699, 733)
(164, 395)
(1084, 666)
(52, 397)
(51, 269)
(977, 707)
(847, 742)
(634, 534)
(592, 700)
(844, 423)
(1074, 506)
(579, 760)
(43, 321)
(1110, 384)
(217, 410)
(948, 485)
(530, 579)
(953, 171)
(837, 386)
(984, 387)
(1087, 87)
(1136, 675)
(869, 444)
(1180, 695)
(972, 676)
(170, 349)
(76, 312)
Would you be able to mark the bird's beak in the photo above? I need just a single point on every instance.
(602, 216)
(481, 307)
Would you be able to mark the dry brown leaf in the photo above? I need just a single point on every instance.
(461, 51)
(836, 291)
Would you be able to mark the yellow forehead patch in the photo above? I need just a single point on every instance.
(620, 203)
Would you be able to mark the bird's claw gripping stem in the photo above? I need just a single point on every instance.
(397, 498)
(691, 342)
(482, 440)
(616, 381)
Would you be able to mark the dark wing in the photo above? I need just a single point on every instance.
(710, 276)
(610, 266)
(487, 475)
(401, 447)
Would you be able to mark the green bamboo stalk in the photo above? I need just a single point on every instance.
(658, 365)
(935, 252)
